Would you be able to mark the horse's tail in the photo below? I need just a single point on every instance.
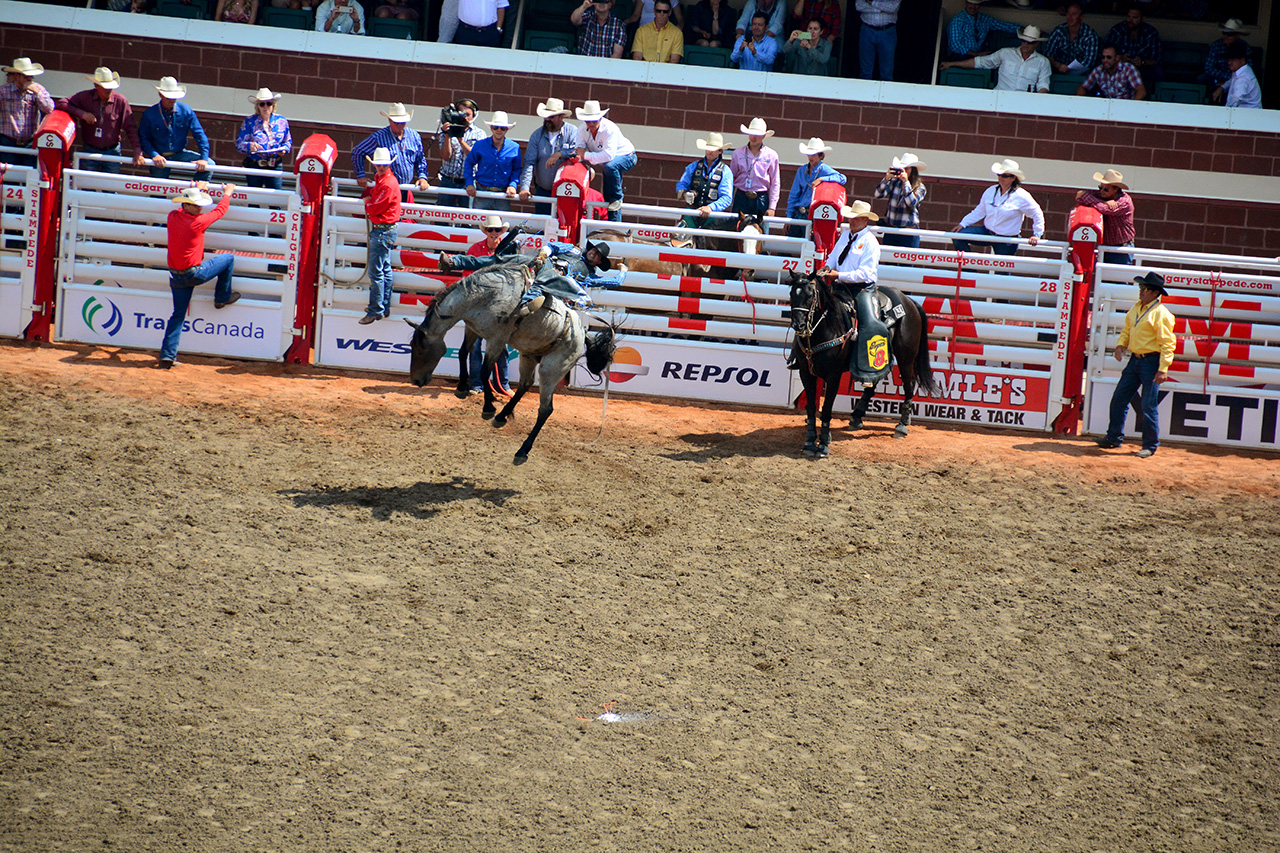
(600, 347)
(924, 371)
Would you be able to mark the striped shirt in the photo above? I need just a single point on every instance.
(21, 110)
(1121, 83)
(1060, 47)
(967, 33)
(408, 161)
(878, 13)
(1144, 42)
(904, 202)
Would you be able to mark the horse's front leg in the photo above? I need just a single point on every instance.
(527, 366)
(810, 410)
(469, 339)
(860, 407)
(828, 403)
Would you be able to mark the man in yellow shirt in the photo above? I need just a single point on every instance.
(659, 40)
(1149, 340)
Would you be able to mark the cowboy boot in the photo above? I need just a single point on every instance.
(445, 263)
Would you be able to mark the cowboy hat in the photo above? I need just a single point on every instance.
(553, 107)
(590, 111)
(1234, 25)
(909, 160)
(1152, 281)
(1030, 33)
(713, 142)
(381, 157)
(1111, 176)
(493, 220)
(193, 195)
(500, 120)
(1008, 167)
(815, 146)
(169, 88)
(264, 94)
(104, 77)
(603, 249)
(859, 208)
(22, 65)
(398, 114)
(756, 128)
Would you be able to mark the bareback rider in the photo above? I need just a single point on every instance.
(707, 183)
(852, 267)
(560, 269)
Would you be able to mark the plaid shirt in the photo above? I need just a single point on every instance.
(452, 165)
(20, 110)
(1144, 43)
(1216, 71)
(597, 39)
(904, 202)
(968, 33)
(1060, 47)
(826, 11)
(1121, 83)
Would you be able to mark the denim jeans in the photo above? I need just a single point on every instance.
(998, 248)
(542, 201)
(476, 363)
(1139, 373)
(907, 241)
(17, 159)
(266, 182)
(501, 204)
(219, 267)
(612, 173)
(750, 206)
(876, 47)
(187, 156)
(453, 200)
(1118, 257)
(101, 165)
(381, 275)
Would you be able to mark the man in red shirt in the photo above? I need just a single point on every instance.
(495, 230)
(187, 267)
(382, 209)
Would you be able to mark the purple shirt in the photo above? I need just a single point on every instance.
(112, 120)
(756, 174)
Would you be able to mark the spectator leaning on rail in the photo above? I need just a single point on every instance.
(456, 142)
(548, 147)
(599, 33)
(340, 16)
(707, 184)
(601, 143)
(104, 120)
(1116, 206)
(853, 266)
(408, 160)
(878, 38)
(187, 267)
(23, 102)
(1242, 89)
(1001, 210)
(493, 166)
(1149, 340)
(1216, 73)
(163, 132)
(382, 210)
(1114, 79)
(901, 186)
(264, 140)
(1073, 46)
(1138, 44)
(1022, 69)
(659, 40)
(756, 185)
(758, 51)
(807, 179)
(808, 52)
(968, 31)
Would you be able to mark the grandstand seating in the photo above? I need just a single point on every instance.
(969, 78)
(546, 41)
(709, 57)
(196, 9)
(1183, 61)
(1179, 93)
(393, 28)
(1065, 84)
(293, 19)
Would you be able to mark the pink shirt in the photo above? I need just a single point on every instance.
(756, 174)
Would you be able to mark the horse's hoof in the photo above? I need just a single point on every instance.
(462, 393)
(499, 422)
(855, 424)
(900, 431)
(520, 459)
(488, 414)
(810, 449)
(822, 452)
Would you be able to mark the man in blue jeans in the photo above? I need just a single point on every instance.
(601, 144)
(878, 40)
(163, 132)
(187, 267)
(1149, 340)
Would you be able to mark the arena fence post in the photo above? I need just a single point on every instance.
(825, 212)
(1085, 233)
(53, 152)
(570, 188)
(313, 166)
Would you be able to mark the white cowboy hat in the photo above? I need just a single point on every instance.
(1111, 176)
(1009, 166)
(907, 161)
(381, 157)
(398, 114)
(1030, 33)
(756, 128)
(493, 220)
(104, 77)
(590, 111)
(815, 146)
(22, 65)
(553, 107)
(713, 142)
(500, 120)
(860, 208)
(169, 88)
(193, 195)
(1234, 25)
(264, 94)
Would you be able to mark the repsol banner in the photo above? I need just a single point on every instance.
(94, 314)
(1226, 417)
(967, 395)
(695, 371)
(384, 345)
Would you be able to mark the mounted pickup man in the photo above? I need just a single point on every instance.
(707, 184)
(853, 266)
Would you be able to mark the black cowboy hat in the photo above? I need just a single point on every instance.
(1152, 281)
(603, 249)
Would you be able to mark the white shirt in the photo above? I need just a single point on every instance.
(344, 23)
(605, 145)
(1242, 89)
(1002, 213)
(480, 13)
(1016, 73)
(862, 264)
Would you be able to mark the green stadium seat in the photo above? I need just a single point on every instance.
(1065, 84)
(196, 10)
(1180, 93)
(393, 28)
(291, 19)
(1183, 61)
(969, 78)
(543, 41)
(708, 57)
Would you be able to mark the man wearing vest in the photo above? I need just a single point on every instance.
(854, 265)
(1149, 341)
(707, 183)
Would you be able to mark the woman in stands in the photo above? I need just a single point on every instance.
(901, 186)
(236, 11)
(264, 140)
(711, 24)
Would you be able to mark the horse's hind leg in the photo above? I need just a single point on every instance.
(527, 367)
(860, 407)
(908, 391)
(545, 392)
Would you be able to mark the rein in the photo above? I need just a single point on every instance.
(805, 334)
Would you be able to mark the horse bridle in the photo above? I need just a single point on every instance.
(810, 323)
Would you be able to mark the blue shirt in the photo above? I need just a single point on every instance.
(163, 132)
(724, 197)
(408, 161)
(492, 167)
(761, 60)
(802, 190)
(968, 33)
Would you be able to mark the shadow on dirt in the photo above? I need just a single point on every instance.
(421, 500)
(708, 446)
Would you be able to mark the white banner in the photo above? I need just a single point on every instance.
(1244, 418)
(342, 342)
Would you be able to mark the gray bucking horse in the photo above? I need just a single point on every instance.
(550, 340)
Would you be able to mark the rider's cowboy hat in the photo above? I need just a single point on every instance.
(860, 208)
(1008, 167)
(265, 96)
(603, 249)
(553, 107)
(104, 77)
(193, 195)
(756, 128)
(590, 111)
(1152, 281)
(1234, 25)
(1030, 33)
(493, 220)
(909, 160)
(22, 65)
(500, 120)
(1111, 177)
(398, 114)
(381, 157)
(815, 146)
(169, 88)
(713, 142)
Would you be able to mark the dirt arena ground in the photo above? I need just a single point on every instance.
(258, 608)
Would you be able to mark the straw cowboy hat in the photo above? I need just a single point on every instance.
(1112, 177)
(22, 65)
(264, 95)
(814, 146)
(104, 77)
(909, 160)
(1234, 25)
(860, 208)
(713, 142)
(169, 88)
(493, 220)
(193, 195)
(553, 107)
(756, 128)
(381, 157)
(1008, 167)
(590, 111)
(1030, 33)
(500, 120)
(398, 114)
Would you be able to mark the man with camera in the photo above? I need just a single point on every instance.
(548, 147)
(340, 16)
(457, 134)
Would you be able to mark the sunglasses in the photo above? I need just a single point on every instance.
(662, 11)
(493, 230)
(1006, 175)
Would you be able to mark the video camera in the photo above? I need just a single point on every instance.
(454, 120)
